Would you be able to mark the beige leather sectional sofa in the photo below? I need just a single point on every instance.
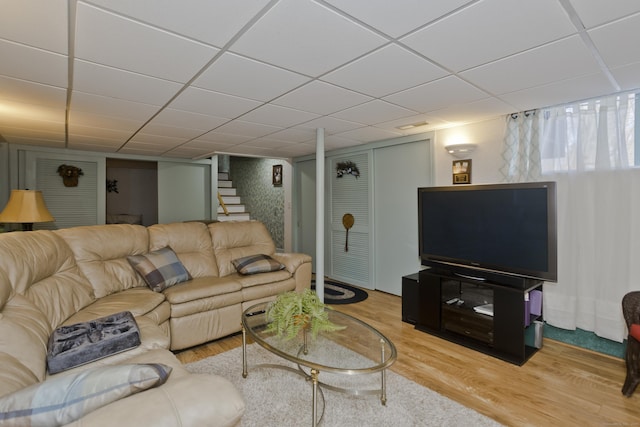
(62, 277)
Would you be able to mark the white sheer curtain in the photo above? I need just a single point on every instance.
(588, 148)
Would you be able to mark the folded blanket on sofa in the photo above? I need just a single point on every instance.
(74, 345)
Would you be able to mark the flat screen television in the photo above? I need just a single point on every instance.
(499, 232)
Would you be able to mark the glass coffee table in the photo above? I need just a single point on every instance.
(357, 350)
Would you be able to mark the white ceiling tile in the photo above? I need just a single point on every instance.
(46, 131)
(214, 22)
(294, 150)
(117, 83)
(628, 76)
(179, 118)
(267, 142)
(564, 59)
(145, 139)
(278, 116)
(290, 67)
(464, 40)
(170, 131)
(186, 152)
(146, 55)
(223, 138)
(206, 145)
(331, 125)
(294, 134)
(123, 124)
(397, 17)
(594, 13)
(618, 44)
(213, 103)
(304, 36)
(18, 113)
(143, 150)
(32, 93)
(35, 141)
(47, 23)
(437, 94)
(36, 65)
(559, 92)
(114, 135)
(379, 74)
(251, 151)
(321, 98)
(247, 129)
(370, 133)
(247, 78)
(373, 112)
(474, 111)
(334, 142)
(92, 144)
(104, 105)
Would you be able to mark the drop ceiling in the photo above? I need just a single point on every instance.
(192, 78)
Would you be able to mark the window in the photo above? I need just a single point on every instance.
(589, 135)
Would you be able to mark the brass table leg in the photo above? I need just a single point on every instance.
(383, 391)
(314, 403)
(244, 353)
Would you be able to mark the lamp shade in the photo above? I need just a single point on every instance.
(26, 206)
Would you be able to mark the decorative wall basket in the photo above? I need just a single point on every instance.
(347, 168)
(70, 175)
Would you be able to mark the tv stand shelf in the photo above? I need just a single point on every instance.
(491, 317)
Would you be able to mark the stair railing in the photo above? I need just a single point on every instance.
(222, 204)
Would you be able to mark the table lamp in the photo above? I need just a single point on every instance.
(26, 207)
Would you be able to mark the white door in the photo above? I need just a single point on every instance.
(306, 199)
(184, 192)
(399, 171)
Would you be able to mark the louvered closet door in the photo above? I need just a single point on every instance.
(350, 194)
(70, 206)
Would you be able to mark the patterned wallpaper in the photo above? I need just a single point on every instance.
(264, 201)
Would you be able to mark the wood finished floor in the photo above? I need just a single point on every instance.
(560, 385)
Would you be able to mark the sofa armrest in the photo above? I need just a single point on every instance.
(291, 261)
(299, 265)
(191, 400)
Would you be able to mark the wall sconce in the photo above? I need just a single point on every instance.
(460, 150)
(26, 207)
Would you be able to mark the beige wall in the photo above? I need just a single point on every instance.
(486, 159)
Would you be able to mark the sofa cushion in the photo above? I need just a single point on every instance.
(202, 287)
(73, 345)
(237, 239)
(24, 331)
(254, 264)
(14, 375)
(139, 301)
(41, 266)
(190, 241)
(64, 399)
(160, 269)
(101, 254)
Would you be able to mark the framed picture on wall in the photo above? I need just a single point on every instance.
(277, 175)
(462, 171)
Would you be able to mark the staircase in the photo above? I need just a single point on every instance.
(235, 209)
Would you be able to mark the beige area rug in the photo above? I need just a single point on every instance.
(277, 397)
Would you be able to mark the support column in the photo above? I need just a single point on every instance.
(320, 213)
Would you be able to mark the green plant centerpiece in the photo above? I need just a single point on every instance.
(293, 312)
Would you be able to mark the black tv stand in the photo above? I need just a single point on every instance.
(468, 276)
(492, 317)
